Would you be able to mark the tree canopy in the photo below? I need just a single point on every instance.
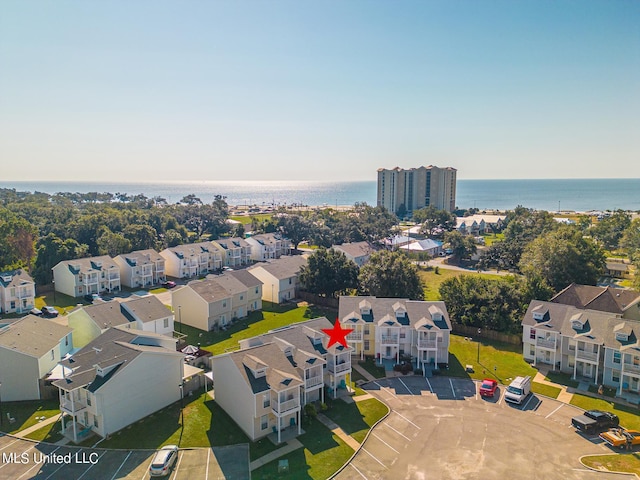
(329, 273)
(434, 220)
(390, 274)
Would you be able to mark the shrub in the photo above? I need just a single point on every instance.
(418, 371)
(323, 407)
(310, 410)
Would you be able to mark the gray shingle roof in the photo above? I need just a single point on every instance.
(146, 309)
(105, 314)
(15, 278)
(283, 267)
(209, 290)
(604, 299)
(141, 257)
(355, 249)
(90, 264)
(34, 336)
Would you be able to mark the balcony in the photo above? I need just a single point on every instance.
(340, 367)
(313, 382)
(629, 367)
(589, 356)
(78, 406)
(546, 343)
(24, 294)
(423, 343)
(354, 337)
(282, 408)
(389, 339)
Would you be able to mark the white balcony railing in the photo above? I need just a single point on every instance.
(339, 368)
(544, 343)
(354, 337)
(590, 356)
(389, 339)
(280, 408)
(313, 381)
(77, 406)
(423, 343)
(629, 367)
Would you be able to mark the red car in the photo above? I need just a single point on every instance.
(488, 387)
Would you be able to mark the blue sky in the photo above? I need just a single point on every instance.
(318, 90)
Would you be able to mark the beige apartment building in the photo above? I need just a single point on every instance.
(416, 188)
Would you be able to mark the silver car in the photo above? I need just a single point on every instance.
(163, 461)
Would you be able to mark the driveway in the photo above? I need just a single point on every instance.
(442, 429)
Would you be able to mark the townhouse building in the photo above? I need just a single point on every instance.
(391, 328)
(280, 278)
(17, 292)
(594, 346)
(265, 384)
(268, 246)
(357, 252)
(148, 314)
(30, 348)
(117, 379)
(90, 321)
(203, 304)
(245, 291)
(83, 276)
(142, 268)
(618, 301)
(191, 260)
(235, 251)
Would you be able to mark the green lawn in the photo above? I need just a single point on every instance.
(546, 390)
(502, 361)
(25, 413)
(49, 433)
(60, 301)
(623, 462)
(205, 424)
(357, 418)
(272, 316)
(323, 454)
(432, 280)
(247, 219)
(562, 379)
(158, 290)
(370, 366)
(491, 238)
(629, 416)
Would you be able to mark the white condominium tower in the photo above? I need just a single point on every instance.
(416, 188)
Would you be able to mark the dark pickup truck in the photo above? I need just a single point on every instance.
(595, 421)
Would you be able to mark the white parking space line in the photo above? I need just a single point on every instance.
(527, 403)
(126, 458)
(386, 443)
(398, 413)
(206, 474)
(429, 383)
(477, 387)
(555, 410)
(36, 465)
(7, 446)
(175, 470)
(405, 386)
(501, 397)
(92, 465)
(147, 471)
(452, 389)
(399, 433)
(56, 470)
(34, 446)
(372, 456)
(356, 469)
(385, 391)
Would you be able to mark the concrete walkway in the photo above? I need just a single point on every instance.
(37, 426)
(564, 396)
(270, 457)
(331, 425)
(363, 372)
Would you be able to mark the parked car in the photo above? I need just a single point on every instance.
(169, 284)
(90, 297)
(594, 421)
(488, 387)
(518, 390)
(164, 459)
(48, 311)
(35, 311)
(621, 437)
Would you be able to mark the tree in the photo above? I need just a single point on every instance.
(433, 220)
(141, 237)
(112, 244)
(610, 229)
(295, 227)
(463, 246)
(630, 240)
(329, 272)
(390, 274)
(17, 239)
(51, 251)
(562, 257)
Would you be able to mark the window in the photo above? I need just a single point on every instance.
(264, 422)
(13, 305)
(95, 421)
(89, 399)
(224, 304)
(366, 344)
(166, 323)
(636, 361)
(615, 375)
(617, 357)
(289, 281)
(532, 334)
(256, 290)
(53, 355)
(366, 330)
(265, 401)
(241, 297)
(66, 341)
(532, 350)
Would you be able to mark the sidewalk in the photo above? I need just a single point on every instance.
(270, 457)
(363, 372)
(564, 396)
(37, 426)
(331, 425)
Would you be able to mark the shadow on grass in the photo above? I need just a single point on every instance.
(297, 468)
(25, 413)
(348, 416)
(456, 369)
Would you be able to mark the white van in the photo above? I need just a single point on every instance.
(518, 390)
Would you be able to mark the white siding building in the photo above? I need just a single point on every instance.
(83, 276)
(191, 259)
(17, 292)
(142, 268)
(280, 278)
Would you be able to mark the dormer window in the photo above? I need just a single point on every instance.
(577, 322)
(540, 312)
(622, 336)
(259, 373)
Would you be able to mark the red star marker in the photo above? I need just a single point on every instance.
(337, 334)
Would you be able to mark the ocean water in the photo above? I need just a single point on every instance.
(553, 195)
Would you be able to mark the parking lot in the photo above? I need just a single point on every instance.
(440, 428)
(22, 460)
